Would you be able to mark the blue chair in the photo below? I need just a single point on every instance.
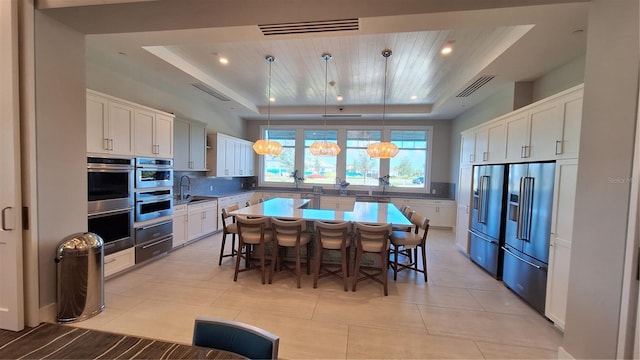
(236, 337)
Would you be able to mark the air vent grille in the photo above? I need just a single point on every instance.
(342, 116)
(481, 81)
(211, 91)
(310, 27)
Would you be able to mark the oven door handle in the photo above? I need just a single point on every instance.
(111, 212)
(146, 246)
(154, 225)
(155, 199)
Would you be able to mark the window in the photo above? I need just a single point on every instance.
(319, 169)
(409, 171)
(361, 169)
(409, 167)
(279, 168)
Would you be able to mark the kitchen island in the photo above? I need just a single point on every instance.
(365, 212)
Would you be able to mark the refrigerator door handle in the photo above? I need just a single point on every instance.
(529, 181)
(482, 198)
(481, 237)
(523, 260)
(519, 223)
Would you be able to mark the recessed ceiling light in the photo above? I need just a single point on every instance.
(447, 48)
(414, 97)
(223, 60)
(339, 98)
(272, 99)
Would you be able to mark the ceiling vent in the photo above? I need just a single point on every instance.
(476, 85)
(211, 91)
(310, 27)
(342, 116)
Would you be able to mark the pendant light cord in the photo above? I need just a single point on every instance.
(270, 59)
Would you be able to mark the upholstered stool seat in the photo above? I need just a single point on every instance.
(291, 234)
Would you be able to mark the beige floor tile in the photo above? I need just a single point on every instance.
(366, 342)
(502, 302)
(127, 281)
(499, 351)
(430, 294)
(357, 310)
(269, 299)
(121, 302)
(491, 327)
(164, 320)
(177, 293)
(99, 321)
(302, 339)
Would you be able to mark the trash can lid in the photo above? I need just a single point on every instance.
(80, 243)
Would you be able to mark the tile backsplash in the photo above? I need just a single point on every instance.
(203, 185)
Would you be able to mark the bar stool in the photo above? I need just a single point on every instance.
(331, 237)
(291, 234)
(372, 238)
(254, 233)
(404, 242)
(231, 228)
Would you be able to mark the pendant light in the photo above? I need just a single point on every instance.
(323, 147)
(383, 149)
(266, 146)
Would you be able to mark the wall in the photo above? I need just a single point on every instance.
(60, 143)
(112, 74)
(441, 147)
(603, 186)
(561, 78)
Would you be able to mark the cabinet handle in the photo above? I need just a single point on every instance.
(109, 261)
(105, 143)
(559, 152)
(467, 209)
(110, 147)
(471, 157)
(525, 152)
(5, 219)
(485, 156)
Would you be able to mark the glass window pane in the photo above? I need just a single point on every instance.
(408, 168)
(319, 169)
(278, 168)
(361, 169)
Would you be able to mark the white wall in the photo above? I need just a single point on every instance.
(603, 187)
(60, 143)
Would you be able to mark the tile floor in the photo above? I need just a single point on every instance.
(460, 313)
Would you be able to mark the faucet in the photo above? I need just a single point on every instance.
(181, 194)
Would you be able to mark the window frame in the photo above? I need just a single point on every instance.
(341, 158)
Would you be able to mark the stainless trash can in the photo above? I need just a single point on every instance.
(80, 276)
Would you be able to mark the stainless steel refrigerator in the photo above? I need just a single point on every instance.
(485, 228)
(527, 231)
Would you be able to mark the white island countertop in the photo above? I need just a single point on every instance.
(365, 212)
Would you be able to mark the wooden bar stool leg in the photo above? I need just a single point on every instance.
(356, 269)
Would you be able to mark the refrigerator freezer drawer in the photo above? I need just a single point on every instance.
(485, 251)
(525, 276)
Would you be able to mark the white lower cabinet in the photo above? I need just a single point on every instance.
(119, 261)
(441, 213)
(462, 228)
(179, 225)
(201, 219)
(341, 203)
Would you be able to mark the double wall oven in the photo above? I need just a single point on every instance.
(110, 201)
(129, 204)
(153, 205)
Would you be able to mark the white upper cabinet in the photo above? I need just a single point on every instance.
(517, 136)
(190, 145)
(230, 156)
(489, 143)
(120, 127)
(546, 130)
(154, 134)
(110, 126)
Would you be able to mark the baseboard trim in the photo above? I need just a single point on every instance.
(564, 354)
(48, 313)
